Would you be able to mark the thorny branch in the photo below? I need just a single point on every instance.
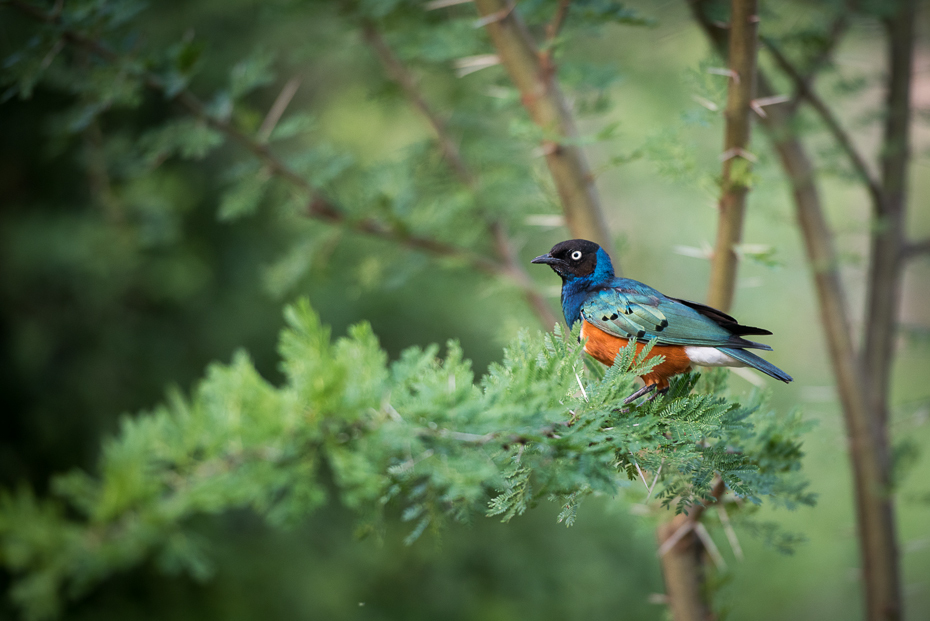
(319, 206)
(806, 91)
(865, 424)
(820, 60)
(547, 107)
(555, 26)
(743, 45)
(503, 245)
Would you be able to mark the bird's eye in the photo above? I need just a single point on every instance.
(576, 255)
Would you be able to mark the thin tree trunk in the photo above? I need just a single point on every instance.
(884, 283)
(540, 94)
(682, 564)
(683, 571)
(743, 45)
(868, 450)
(865, 427)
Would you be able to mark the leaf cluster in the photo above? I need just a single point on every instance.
(419, 436)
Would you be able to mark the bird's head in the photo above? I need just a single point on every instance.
(578, 258)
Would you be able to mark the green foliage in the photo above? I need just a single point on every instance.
(419, 437)
(419, 434)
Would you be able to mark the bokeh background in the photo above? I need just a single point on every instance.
(99, 317)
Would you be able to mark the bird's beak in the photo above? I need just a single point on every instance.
(545, 258)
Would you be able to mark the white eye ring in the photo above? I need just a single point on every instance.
(576, 255)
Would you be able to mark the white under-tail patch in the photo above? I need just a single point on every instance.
(711, 357)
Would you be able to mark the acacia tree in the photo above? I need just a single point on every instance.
(418, 433)
(682, 549)
(863, 376)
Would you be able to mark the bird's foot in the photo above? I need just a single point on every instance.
(639, 393)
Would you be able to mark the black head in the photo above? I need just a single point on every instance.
(576, 258)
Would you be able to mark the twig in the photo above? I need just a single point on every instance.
(555, 26)
(277, 109)
(453, 156)
(640, 471)
(319, 206)
(709, 545)
(826, 114)
(441, 4)
(728, 529)
(584, 393)
(518, 274)
(669, 543)
(883, 293)
(758, 105)
(543, 100)
(654, 481)
(399, 73)
(819, 61)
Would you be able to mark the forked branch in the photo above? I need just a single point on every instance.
(319, 206)
(503, 245)
(543, 99)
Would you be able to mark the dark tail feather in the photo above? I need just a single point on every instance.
(722, 319)
(757, 363)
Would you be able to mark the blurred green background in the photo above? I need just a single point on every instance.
(99, 316)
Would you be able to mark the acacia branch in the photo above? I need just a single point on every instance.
(743, 44)
(868, 447)
(502, 243)
(837, 29)
(843, 139)
(541, 96)
(399, 73)
(555, 26)
(319, 206)
(883, 293)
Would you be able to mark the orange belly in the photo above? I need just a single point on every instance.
(604, 347)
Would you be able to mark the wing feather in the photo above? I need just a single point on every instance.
(647, 317)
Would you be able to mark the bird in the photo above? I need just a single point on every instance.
(614, 311)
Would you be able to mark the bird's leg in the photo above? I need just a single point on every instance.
(639, 393)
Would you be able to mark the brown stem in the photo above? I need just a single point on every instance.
(843, 139)
(502, 243)
(555, 26)
(884, 279)
(540, 94)
(743, 45)
(398, 72)
(319, 206)
(868, 448)
(820, 60)
(682, 570)
(682, 566)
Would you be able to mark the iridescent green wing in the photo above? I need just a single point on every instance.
(645, 316)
